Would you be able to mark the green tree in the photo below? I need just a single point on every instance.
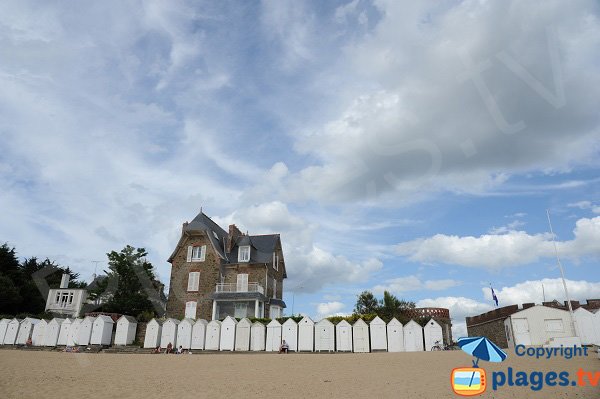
(10, 281)
(366, 303)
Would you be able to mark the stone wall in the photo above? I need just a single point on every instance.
(492, 330)
(140, 333)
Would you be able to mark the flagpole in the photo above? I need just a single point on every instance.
(562, 273)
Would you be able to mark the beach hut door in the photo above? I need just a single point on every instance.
(521, 332)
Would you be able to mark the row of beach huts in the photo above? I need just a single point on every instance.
(227, 335)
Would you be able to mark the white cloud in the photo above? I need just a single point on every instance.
(531, 291)
(585, 205)
(512, 226)
(326, 309)
(460, 308)
(505, 250)
(404, 284)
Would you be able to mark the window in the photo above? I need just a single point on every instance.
(244, 254)
(193, 281)
(554, 325)
(275, 312)
(190, 309)
(70, 298)
(57, 297)
(198, 253)
(275, 261)
(242, 282)
(240, 309)
(274, 288)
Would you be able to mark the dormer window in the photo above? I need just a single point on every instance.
(244, 254)
(196, 253)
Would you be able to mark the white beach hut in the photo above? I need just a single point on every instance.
(102, 329)
(125, 332)
(324, 336)
(273, 336)
(73, 338)
(169, 333)
(289, 333)
(153, 333)
(306, 335)
(26, 330)
(184, 333)
(343, 336)
(360, 336)
(85, 331)
(538, 325)
(38, 337)
(413, 337)
(227, 342)
(65, 331)
(3, 327)
(257, 337)
(242, 335)
(10, 337)
(53, 331)
(378, 335)
(596, 321)
(213, 335)
(585, 326)
(199, 334)
(432, 333)
(395, 336)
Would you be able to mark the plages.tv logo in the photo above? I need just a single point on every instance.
(470, 381)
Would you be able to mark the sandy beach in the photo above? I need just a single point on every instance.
(28, 374)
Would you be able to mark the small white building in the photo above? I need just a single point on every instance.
(126, 328)
(228, 326)
(184, 333)
(26, 330)
(65, 331)
(257, 337)
(3, 327)
(413, 337)
(395, 336)
(73, 338)
(537, 325)
(12, 329)
(213, 335)
(153, 334)
(585, 326)
(199, 334)
(53, 331)
(324, 336)
(596, 326)
(102, 329)
(378, 335)
(38, 337)
(433, 335)
(242, 335)
(273, 336)
(360, 337)
(289, 334)
(66, 301)
(306, 335)
(169, 333)
(343, 336)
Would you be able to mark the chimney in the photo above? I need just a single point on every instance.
(185, 224)
(64, 281)
(232, 237)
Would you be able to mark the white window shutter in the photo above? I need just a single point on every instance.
(202, 257)
(189, 253)
(190, 281)
(190, 309)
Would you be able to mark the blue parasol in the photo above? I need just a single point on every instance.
(482, 348)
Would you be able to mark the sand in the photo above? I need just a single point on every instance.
(29, 374)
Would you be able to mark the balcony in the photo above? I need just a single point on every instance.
(232, 287)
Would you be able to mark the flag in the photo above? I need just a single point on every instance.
(494, 297)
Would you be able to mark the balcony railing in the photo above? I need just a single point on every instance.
(232, 287)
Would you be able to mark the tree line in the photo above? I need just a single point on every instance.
(389, 307)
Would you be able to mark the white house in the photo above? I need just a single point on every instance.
(378, 335)
(257, 337)
(38, 337)
(537, 325)
(360, 336)
(395, 336)
(153, 334)
(213, 335)
(306, 335)
(227, 342)
(585, 326)
(73, 338)
(169, 333)
(324, 336)
(126, 328)
(66, 301)
(85, 331)
(12, 329)
(65, 330)
(413, 337)
(273, 336)
(3, 327)
(102, 330)
(184, 333)
(26, 330)
(289, 334)
(433, 335)
(343, 336)
(199, 334)
(242, 335)
(53, 331)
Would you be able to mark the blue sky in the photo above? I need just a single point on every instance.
(400, 146)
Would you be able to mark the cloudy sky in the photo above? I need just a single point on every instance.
(395, 146)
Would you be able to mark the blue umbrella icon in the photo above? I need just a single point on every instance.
(483, 349)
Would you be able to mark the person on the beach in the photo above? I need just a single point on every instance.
(169, 348)
(28, 343)
(180, 350)
(157, 349)
(284, 347)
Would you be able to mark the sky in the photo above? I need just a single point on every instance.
(396, 146)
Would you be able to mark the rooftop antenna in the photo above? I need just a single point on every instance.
(562, 273)
(95, 262)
